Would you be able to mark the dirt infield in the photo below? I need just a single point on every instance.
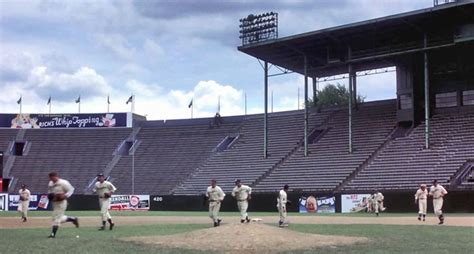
(39, 222)
(246, 238)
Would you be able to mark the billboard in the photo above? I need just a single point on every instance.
(37, 121)
(35, 199)
(311, 204)
(130, 202)
(353, 203)
(3, 202)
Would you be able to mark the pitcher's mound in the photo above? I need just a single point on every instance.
(249, 238)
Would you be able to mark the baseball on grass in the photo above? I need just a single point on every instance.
(77, 236)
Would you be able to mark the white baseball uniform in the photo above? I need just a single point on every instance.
(421, 197)
(437, 192)
(378, 202)
(59, 207)
(241, 194)
(24, 202)
(215, 196)
(281, 205)
(104, 202)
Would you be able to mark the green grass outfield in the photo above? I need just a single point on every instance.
(383, 238)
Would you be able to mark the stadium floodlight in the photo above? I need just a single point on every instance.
(257, 28)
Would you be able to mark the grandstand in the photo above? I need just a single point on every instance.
(425, 133)
(181, 157)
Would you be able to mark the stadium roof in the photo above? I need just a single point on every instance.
(373, 43)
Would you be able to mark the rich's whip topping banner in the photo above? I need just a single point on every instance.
(36, 121)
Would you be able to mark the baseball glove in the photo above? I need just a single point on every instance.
(107, 195)
(288, 203)
(22, 198)
(59, 197)
(51, 196)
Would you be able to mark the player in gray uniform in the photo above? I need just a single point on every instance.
(104, 190)
(59, 190)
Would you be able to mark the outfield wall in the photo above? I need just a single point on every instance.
(455, 201)
(395, 202)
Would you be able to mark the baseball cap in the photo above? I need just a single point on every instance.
(100, 174)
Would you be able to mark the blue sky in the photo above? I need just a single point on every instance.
(164, 52)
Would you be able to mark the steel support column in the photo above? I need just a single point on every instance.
(351, 80)
(427, 96)
(265, 115)
(354, 87)
(315, 90)
(305, 106)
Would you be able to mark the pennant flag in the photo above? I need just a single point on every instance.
(129, 100)
(190, 103)
(19, 100)
(78, 100)
(108, 99)
(49, 100)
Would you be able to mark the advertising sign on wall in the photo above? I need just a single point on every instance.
(130, 202)
(37, 121)
(13, 201)
(353, 203)
(3, 202)
(313, 204)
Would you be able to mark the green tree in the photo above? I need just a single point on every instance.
(333, 95)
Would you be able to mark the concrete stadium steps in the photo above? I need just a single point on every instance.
(6, 136)
(167, 155)
(404, 163)
(245, 159)
(329, 161)
(77, 155)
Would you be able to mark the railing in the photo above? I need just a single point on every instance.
(462, 174)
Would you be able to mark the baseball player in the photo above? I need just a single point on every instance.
(24, 203)
(369, 203)
(282, 201)
(438, 192)
(104, 190)
(242, 193)
(59, 190)
(421, 197)
(378, 202)
(215, 196)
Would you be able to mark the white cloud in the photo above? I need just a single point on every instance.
(152, 49)
(153, 101)
(118, 44)
(84, 81)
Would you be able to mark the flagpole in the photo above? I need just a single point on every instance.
(192, 109)
(108, 103)
(298, 98)
(79, 106)
(21, 104)
(219, 104)
(272, 100)
(133, 103)
(245, 95)
(50, 108)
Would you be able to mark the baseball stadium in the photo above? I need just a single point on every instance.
(385, 176)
